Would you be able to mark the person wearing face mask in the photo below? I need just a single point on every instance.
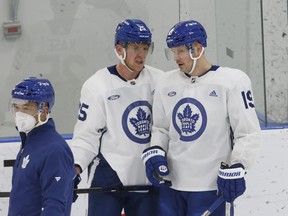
(114, 124)
(205, 130)
(43, 173)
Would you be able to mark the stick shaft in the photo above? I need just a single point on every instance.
(214, 206)
(101, 189)
(114, 189)
(4, 194)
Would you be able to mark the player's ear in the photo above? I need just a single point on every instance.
(44, 114)
(119, 49)
(46, 109)
(197, 49)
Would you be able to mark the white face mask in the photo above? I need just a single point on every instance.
(24, 122)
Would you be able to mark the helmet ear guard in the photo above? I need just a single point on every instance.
(36, 90)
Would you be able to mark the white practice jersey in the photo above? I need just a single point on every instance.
(115, 118)
(192, 120)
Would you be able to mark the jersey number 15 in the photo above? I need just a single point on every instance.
(82, 112)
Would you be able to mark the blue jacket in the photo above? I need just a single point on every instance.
(42, 182)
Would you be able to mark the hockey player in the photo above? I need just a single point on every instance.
(42, 181)
(114, 123)
(203, 115)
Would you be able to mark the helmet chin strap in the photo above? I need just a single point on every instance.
(122, 59)
(39, 119)
(194, 60)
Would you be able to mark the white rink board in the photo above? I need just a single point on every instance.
(267, 181)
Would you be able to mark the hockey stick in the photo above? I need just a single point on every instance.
(214, 206)
(4, 194)
(114, 189)
(101, 189)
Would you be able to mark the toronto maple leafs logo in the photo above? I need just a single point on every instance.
(141, 123)
(136, 121)
(189, 119)
(25, 162)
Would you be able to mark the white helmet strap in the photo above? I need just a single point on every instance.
(122, 59)
(39, 119)
(194, 60)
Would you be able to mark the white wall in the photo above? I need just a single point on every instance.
(203, 11)
(239, 41)
(67, 41)
(276, 58)
(238, 28)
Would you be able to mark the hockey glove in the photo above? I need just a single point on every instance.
(231, 182)
(77, 180)
(154, 158)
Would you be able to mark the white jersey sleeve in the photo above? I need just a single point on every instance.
(244, 122)
(90, 124)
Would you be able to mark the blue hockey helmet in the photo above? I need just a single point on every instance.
(132, 30)
(36, 90)
(186, 33)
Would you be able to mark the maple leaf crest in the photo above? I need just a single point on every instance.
(141, 123)
(188, 120)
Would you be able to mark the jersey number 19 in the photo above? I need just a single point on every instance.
(247, 98)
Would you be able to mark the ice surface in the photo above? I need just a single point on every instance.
(267, 181)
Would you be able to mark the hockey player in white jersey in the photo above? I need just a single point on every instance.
(205, 130)
(114, 125)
